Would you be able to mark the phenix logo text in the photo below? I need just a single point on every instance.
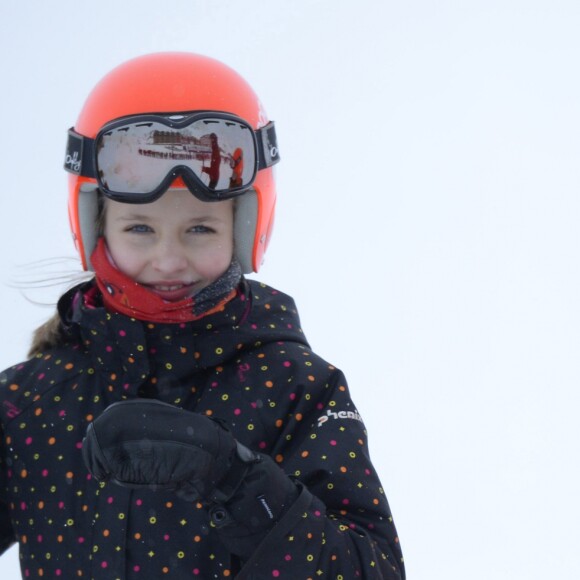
(339, 415)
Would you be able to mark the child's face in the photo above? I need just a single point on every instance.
(175, 246)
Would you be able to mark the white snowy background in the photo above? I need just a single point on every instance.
(427, 227)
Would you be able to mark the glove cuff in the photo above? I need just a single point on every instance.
(257, 505)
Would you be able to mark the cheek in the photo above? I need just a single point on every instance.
(125, 258)
(215, 261)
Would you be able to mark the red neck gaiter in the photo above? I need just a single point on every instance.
(122, 294)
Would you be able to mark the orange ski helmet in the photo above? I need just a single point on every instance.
(169, 83)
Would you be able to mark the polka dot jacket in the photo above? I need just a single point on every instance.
(248, 365)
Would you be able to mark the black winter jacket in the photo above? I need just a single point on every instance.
(249, 365)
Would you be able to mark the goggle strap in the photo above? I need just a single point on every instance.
(79, 156)
(268, 153)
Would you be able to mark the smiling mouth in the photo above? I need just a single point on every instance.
(161, 288)
(173, 292)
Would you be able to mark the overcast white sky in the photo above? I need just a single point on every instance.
(427, 226)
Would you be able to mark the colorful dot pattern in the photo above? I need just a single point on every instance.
(249, 365)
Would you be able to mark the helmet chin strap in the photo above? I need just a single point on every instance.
(245, 224)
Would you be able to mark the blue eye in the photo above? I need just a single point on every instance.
(139, 229)
(201, 230)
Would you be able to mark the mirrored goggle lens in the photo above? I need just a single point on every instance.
(136, 158)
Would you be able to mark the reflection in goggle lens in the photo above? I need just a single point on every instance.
(135, 158)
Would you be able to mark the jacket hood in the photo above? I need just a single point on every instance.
(257, 315)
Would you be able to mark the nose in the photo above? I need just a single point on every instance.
(170, 257)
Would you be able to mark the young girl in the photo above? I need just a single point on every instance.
(173, 421)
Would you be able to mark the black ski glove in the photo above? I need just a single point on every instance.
(147, 443)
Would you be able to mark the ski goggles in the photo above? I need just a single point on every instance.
(136, 158)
